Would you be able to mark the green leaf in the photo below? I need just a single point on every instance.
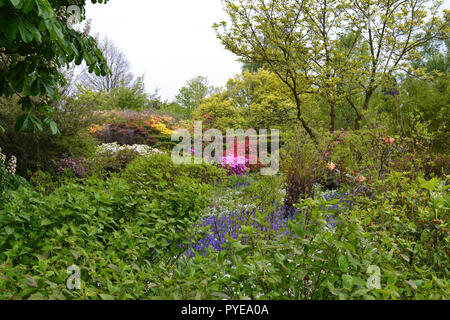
(27, 104)
(44, 9)
(27, 6)
(46, 222)
(220, 295)
(347, 281)
(9, 231)
(221, 257)
(28, 31)
(114, 267)
(12, 29)
(106, 296)
(36, 122)
(412, 284)
(36, 296)
(17, 3)
(31, 282)
(343, 263)
(24, 123)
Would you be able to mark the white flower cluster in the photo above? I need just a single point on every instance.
(11, 165)
(113, 148)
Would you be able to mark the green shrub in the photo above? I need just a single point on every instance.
(165, 146)
(9, 180)
(40, 150)
(112, 232)
(379, 250)
(372, 153)
(105, 163)
(148, 171)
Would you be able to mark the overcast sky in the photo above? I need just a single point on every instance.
(171, 41)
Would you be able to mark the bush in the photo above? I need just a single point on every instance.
(76, 167)
(41, 150)
(112, 232)
(9, 181)
(370, 154)
(148, 171)
(303, 165)
(375, 251)
(165, 146)
(124, 134)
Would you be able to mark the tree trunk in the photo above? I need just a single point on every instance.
(369, 94)
(357, 125)
(333, 117)
(303, 121)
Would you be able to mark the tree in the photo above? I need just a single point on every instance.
(120, 75)
(252, 100)
(301, 41)
(190, 96)
(36, 40)
(132, 97)
(393, 31)
(271, 33)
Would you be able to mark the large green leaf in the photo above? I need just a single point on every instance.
(28, 31)
(17, 3)
(27, 6)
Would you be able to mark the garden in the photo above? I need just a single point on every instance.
(358, 210)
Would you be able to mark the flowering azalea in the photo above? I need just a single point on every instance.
(331, 166)
(112, 148)
(235, 165)
(389, 140)
(361, 178)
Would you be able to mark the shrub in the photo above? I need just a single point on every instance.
(115, 234)
(124, 134)
(78, 167)
(148, 171)
(41, 150)
(106, 162)
(375, 251)
(303, 165)
(234, 165)
(165, 146)
(9, 181)
(373, 154)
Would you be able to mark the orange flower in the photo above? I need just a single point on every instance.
(331, 166)
(361, 178)
(389, 140)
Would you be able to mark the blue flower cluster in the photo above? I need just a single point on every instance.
(276, 226)
(231, 225)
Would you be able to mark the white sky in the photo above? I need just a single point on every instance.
(171, 41)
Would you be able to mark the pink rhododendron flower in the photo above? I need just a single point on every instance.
(235, 165)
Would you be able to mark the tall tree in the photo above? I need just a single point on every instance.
(394, 31)
(36, 40)
(190, 96)
(120, 75)
(272, 33)
(301, 41)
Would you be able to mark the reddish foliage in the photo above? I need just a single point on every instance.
(124, 134)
